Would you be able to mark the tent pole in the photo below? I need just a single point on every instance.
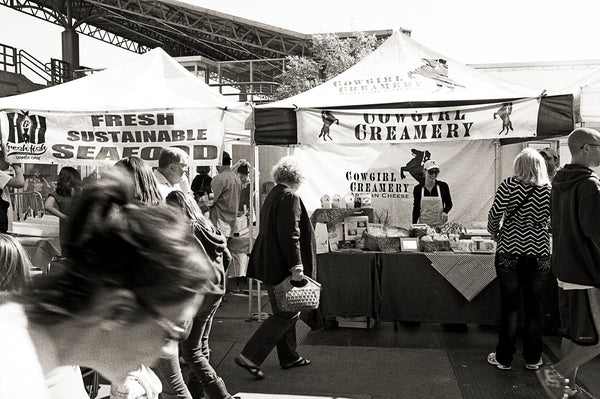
(497, 162)
(255, 197)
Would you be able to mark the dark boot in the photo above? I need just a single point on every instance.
(216, 390)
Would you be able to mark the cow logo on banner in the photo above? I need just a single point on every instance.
(414, 167)
(436, 69)
(328, 120)
(26, 134)
(504, 114)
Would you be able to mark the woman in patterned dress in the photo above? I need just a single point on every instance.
(522, 203)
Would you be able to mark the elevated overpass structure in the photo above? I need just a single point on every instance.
(221, 47)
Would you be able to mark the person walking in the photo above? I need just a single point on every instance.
(203, 379)
(283, 248)
(576, 261)
(522, 203)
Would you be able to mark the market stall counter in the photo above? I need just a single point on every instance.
(406, 287)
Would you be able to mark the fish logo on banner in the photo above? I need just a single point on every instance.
(436, 69)
(328, 120)
(26, 134)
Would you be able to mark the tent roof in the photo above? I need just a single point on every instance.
(153, 80)
(402, 70)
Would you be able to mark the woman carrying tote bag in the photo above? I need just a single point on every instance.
(282, 249)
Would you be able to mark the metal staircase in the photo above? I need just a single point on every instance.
(20, 62)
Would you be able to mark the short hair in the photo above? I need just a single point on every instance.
(581, 136)
(68, 179)
(530, 168)
(171, 155)
(145, 186)
(116, 243)
(288, 170)
(14, 264)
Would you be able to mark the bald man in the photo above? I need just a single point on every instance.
(576, 261)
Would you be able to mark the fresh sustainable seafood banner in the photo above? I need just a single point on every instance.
(418, 125)
(104, 138)
(389, 174)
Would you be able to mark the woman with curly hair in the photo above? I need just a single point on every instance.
(282, 249)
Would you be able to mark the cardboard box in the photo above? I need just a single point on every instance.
(321, 238)
(354, 226)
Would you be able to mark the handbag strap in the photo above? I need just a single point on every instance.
(512, 213)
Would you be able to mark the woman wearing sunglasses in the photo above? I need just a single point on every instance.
(432, 200)
(134, 277)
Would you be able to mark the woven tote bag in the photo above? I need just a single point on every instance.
(290, 298)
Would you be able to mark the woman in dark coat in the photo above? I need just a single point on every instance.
(283, 248)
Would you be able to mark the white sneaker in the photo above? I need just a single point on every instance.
(492, 360)
(534, 366)
(555, 385)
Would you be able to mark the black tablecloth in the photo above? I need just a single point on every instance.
(350, 284)
(405, 287)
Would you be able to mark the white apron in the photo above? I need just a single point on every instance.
(431, 209)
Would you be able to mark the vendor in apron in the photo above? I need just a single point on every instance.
(432, 200)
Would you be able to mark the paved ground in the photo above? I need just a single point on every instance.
(412, 361)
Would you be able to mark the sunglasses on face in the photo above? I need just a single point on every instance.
(590, 144)
(173, 332)
(433, 172)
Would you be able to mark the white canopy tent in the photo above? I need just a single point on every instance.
(369, 129)
(135, 108)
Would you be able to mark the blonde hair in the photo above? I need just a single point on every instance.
(530, 168)
(14, 264)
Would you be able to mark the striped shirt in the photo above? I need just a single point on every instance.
(527, 231)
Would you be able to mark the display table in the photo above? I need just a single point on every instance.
(405, 287)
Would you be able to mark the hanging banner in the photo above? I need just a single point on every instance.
(389, 174)
(417, 125)
(104, 138)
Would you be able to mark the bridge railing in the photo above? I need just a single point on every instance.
(23, 63)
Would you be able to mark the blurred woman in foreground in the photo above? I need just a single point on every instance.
(131, 282)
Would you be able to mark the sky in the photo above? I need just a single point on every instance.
(468, 31)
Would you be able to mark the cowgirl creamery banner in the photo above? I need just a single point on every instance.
(103, 138)
(390, 173)
(417, 125)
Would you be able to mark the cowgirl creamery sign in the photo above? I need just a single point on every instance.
(393, 126)
(389, 175)
(104, 138)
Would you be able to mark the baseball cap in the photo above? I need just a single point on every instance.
(548, 152)
(431, 164)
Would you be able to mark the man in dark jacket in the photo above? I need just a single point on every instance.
(282, 249)
(576, 260)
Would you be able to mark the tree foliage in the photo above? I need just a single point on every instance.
(331, 56)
